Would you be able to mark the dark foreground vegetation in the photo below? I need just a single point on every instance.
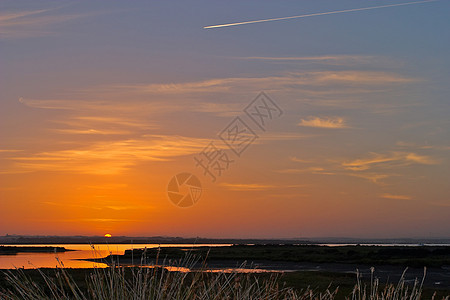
(420, 257)
(159, 283)
(186, 273)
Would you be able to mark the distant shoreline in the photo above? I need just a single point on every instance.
(12, 250)
(49, 240)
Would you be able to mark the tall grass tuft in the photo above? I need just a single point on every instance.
(401, 291)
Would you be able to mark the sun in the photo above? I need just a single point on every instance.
(108, 235)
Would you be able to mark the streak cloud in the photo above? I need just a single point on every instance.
(315, 14)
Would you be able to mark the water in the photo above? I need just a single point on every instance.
(436, 277)
(74, 259)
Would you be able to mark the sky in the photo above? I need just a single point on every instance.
(103, 103)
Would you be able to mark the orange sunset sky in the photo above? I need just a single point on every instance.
(101, 103)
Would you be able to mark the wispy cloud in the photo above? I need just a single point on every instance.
(96, 117)
(129, 207)
(286, 81)
(52, 203)
(114, 125)
(283, 136)
(107, 186)
(9, 150)
(396, 197)
(112, 118)
(389, 159)
(100, 220)
(110, 157)
(219, 109)
(82, 105)
(314, 170)
(309, 58)
(376, 167)
(374, 177)
(329, 122)
(408, 145)
(92, 131)
(97, 206)
(332, 60)
(247, 186)
(371, 176)
(33, 23)
(299, 160)
(160, 98)
(336, 170)
(258, 186)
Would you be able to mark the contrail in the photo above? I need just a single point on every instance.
(316, 14)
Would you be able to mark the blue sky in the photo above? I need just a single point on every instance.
(115, 92)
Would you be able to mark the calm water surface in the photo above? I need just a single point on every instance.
(71, 259)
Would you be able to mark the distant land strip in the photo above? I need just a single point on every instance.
(5, 250)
